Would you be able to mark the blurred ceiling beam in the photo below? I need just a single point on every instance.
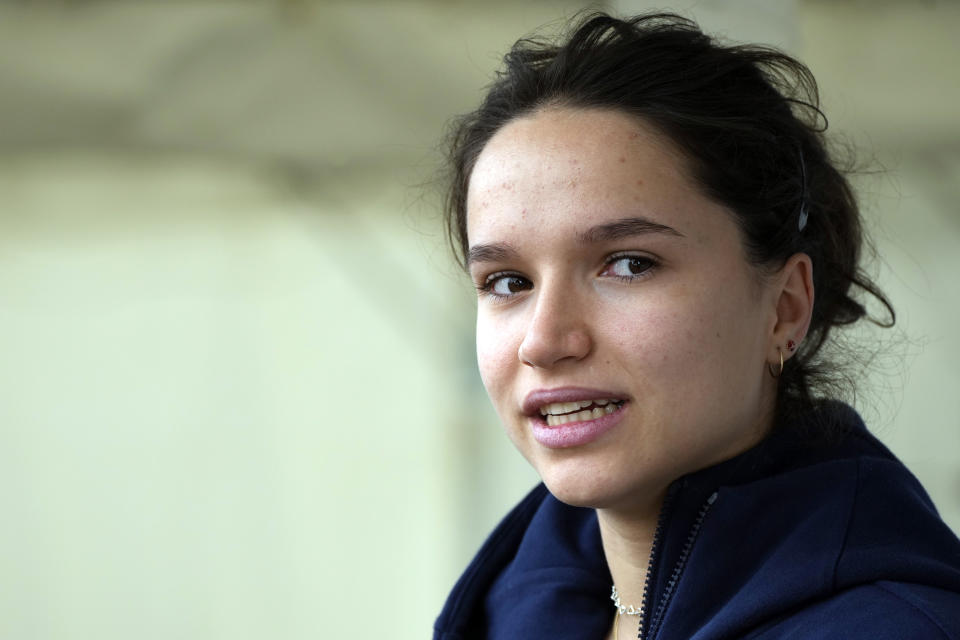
(317, 85)
(322, 87)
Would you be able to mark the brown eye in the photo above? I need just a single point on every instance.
(629, 266)
(508, 285)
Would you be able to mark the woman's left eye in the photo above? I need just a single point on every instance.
(629, 267)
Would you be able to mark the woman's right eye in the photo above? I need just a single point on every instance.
(504, 285)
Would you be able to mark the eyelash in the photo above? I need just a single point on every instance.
(646, 273)
(486, 288)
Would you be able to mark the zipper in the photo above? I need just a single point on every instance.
(654, 549)
(657, 618)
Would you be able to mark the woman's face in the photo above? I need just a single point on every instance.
(608, 280)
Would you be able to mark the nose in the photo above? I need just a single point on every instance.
(558, 331)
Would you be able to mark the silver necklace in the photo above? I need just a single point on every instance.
(622, 609)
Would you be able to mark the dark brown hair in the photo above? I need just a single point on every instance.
(746, 117)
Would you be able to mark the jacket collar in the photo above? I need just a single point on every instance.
(773, 537)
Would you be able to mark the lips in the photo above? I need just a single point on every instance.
(569, 401)
(572, 416)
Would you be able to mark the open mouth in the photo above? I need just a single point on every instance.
(557, 413)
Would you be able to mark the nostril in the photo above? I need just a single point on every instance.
(523, 358)
(544, 353)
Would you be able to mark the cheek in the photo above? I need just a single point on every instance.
(656, 336)
(672, 345)
(707, 346)
(496, 356)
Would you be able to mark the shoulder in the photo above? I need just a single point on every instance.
(465, 602)
(541, 573)
(875, 611)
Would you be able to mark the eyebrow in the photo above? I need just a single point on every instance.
(495, 252)
(615, 230)
(625, 228)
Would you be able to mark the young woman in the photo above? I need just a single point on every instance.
(662, 247)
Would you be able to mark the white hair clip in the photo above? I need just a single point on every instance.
(804, 211)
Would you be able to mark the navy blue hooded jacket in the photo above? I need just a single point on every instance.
(802, 537)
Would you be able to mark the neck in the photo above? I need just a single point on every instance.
(627, 536)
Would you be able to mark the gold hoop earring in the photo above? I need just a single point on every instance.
(770, 368)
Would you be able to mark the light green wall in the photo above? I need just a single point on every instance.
(211, 428)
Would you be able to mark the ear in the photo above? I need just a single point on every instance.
(794, 306)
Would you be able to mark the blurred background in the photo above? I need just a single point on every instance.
(239, 388)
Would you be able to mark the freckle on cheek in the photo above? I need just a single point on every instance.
(622, 159)
(639, 182)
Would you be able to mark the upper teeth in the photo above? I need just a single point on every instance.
(559, 408)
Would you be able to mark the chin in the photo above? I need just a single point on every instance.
(578, 483)
(581, 488)
(573, 496)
